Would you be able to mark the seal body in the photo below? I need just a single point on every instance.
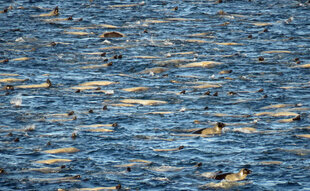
(217, 129)
(241, 175)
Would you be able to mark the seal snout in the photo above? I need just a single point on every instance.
(220, 124)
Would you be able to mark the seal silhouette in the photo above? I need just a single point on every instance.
(217, 129)
(241, 175)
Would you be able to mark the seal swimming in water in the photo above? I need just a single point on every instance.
(241, 175)
(8, 87)
(217, 129)
(48, 81)
(54, 12)
(112, 34)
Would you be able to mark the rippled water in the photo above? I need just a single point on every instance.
(170, 35)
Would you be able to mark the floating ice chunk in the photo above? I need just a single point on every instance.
(109, 92)
(167, 43)
(60, 55)
(255, 121)
(31, 127)
(243, 78)
(182, 109)
(106, 42)
(20, 39)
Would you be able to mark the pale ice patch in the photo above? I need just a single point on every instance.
(144, 25)
(60, 55)
(136, 24)
(212, 76)
(182, 109)
(20, 39)
(109, 92)
(31, 127)
(255, 121)
(17, 100)
(106, 42)
(244, 78)
(161, 179)
(230, 17)
(168, 43)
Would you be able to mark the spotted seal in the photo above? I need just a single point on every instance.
(241, 175)
(217, 129)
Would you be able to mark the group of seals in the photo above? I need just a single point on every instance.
(241, 175)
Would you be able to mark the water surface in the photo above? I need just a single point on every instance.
(166, 34)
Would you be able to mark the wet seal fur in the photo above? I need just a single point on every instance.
(241, 175)
(8, 87)
(217, 129)
(112, 34)
(54, 12)
(47, 84)
(2, 171)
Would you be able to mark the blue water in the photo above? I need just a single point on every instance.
(139, 131)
